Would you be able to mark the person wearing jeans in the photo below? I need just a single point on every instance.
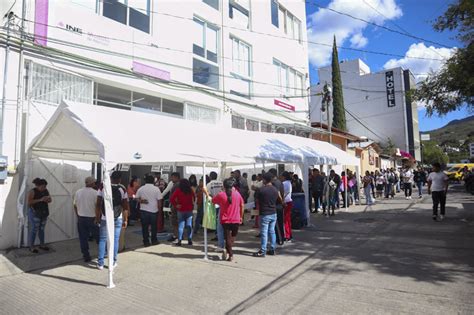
(268, 197)
(103, 240)
(37, 227)
(367, 180)
(438, 187)
(183, 200)
(38, 200)
(151, 201)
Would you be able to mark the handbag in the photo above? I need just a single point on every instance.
(209, 219)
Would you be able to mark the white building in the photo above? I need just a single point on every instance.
(237, 63)
(377, 105)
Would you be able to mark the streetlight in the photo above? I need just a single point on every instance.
(325, 103)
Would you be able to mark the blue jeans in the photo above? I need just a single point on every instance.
(219, 230)
(103, 239)
(85, 227)
(368, 194)
(185, 219)
(36, 227)
(267, 228)
(148, 220)
(420, 188)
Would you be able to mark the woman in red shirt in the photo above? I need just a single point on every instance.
(183, 200)
(230, 214)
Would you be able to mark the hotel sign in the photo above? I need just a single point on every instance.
(390, 86)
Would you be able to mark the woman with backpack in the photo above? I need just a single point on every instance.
(183, 200)
(38, 200)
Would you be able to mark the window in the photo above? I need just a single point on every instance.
(135, 13)
(274, 12)
(285, 21)
(201, 114)
(288, 80)
(212, 3)
(49, 85)
(172, 107)
(205, 40)
(252, 125)
(239, 12)
(264, 127)
(238, 122)
(241, 69)
(146, 102)
(205, 67)
(110, 96)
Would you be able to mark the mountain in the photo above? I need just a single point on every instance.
(454, 138)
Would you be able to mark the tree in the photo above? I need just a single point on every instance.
(389, 147)
(452, 87)
(339, 114)
(433, 153)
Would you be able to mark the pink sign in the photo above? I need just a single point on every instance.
(151, 71)
(41, 22)
(284, 105)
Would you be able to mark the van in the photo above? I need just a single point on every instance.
(456, 171)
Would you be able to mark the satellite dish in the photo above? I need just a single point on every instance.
(137, 156)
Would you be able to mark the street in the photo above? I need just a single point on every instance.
(387, 258)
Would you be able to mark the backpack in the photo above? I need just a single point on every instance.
(116, 201)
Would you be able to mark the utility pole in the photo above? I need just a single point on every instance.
(325, 103)
(10, 16)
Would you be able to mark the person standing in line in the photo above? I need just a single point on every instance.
(151, 201)
(214, 187)
(398, 180)
(367, 180)
(317, 187)
(268, 197)
(420, 180)
(329, 193)
(132, 200)
(200, 207)
(120, 209)
(38, 200)
(407, 177)
(231, 206)
(183, 200)
(438, 183)
(84, 207)
(175, 177)
(372, 184)
(379, 183)
(390, 181)
(241, 185)
(280, 225)
(343, 188)
(287, 205)
(255, 186)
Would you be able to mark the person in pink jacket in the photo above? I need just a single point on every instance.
(230, 215)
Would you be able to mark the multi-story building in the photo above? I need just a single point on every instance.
(237, 63)
(378, 105)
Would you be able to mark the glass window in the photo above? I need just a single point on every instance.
(296, 29)
(238, 122)
(251, 125)
(264, 127)
(212, 3)
(146, 102)
(282, 18)
(274, 12)
(205, 40)
(283, 79)
(289, 24)
(240, 57)
(299, 85)
(239, 14)
(172, 107)
(201, 114)
(205, 73)
(291, 90)
(113, 97)
(135, 13)
(240, 86)
(280, 130)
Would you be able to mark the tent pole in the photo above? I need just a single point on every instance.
(204, 209)
(305, 175)
(109, 219)
(357, 183)
(345, 187)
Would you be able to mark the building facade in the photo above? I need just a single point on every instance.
(377, 104)
(235, 63)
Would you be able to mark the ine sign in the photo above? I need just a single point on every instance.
(390, 85)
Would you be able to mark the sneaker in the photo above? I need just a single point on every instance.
(219, 249)
(441, 217)
(420, 196)
(87, 259)
(115, 264)
(271, 252)
(224, 254)
(100, 267)
(190, 243)
(178, 243)
(260, 253)
(435, 217)
(407, 198)
(155, 243)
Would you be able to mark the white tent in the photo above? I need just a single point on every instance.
(81, 132)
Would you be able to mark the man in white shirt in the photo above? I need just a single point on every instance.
(151, 201)
(438, 187)
(214, 187)
(407, 177)
(84, 206)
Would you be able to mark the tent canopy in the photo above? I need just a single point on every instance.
(82, 132)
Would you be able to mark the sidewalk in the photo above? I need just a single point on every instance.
(387, 258)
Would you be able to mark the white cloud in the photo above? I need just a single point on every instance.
(324, 24)
(421, 67)
(359, 41)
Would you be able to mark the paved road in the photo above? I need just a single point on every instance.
(388, 258)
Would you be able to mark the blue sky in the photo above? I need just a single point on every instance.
(411, 16)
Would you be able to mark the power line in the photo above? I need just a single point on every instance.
(376, 25)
